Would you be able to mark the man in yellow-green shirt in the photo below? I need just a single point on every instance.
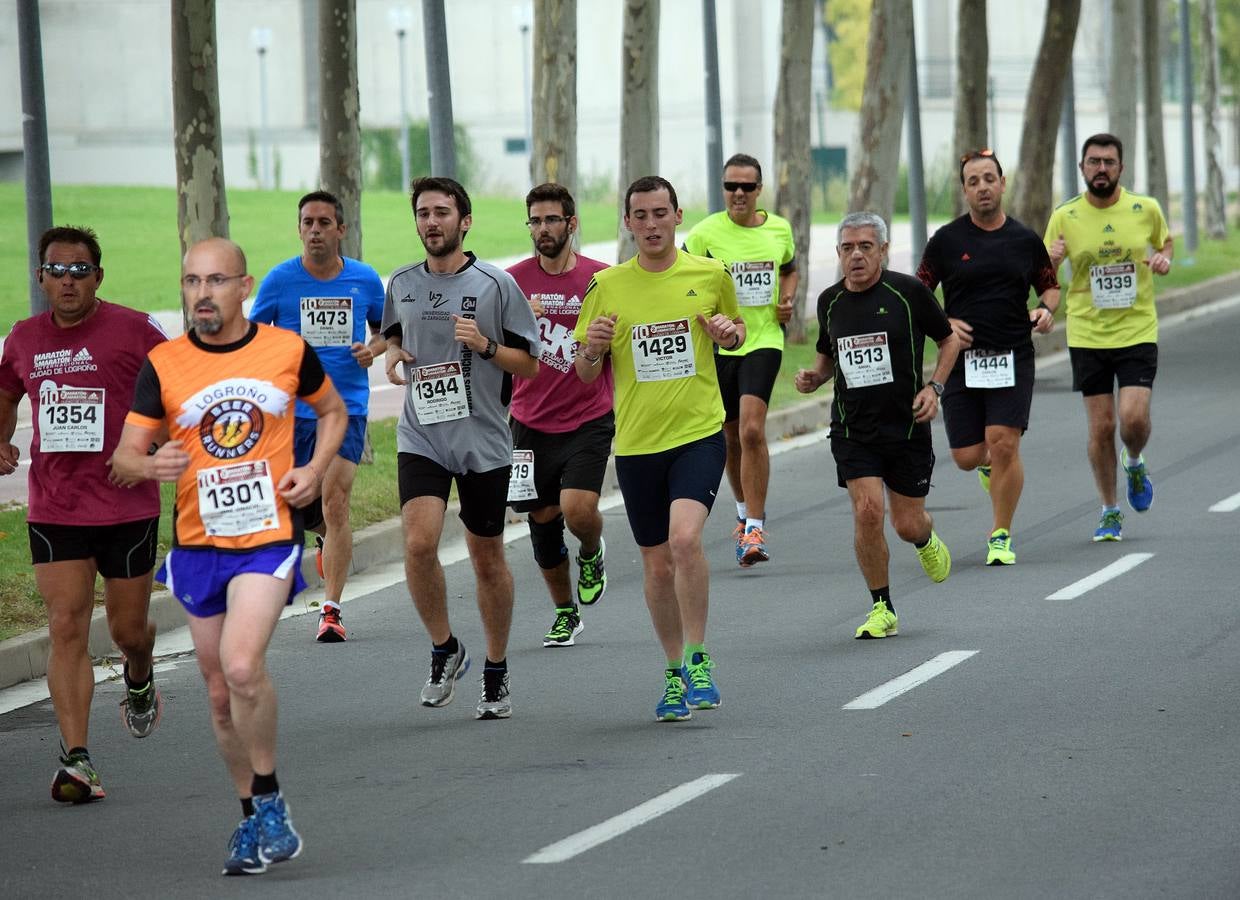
(759, 251)
(659, 315)
(1116, 242)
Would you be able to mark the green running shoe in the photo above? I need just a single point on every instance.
(935, 559)
(999, 549)
(673, 708)
(567, 626)
(76, 781)
(983, 475)
(880, 623)
(1110, 526)
(592, 577)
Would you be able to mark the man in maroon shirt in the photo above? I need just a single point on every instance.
(562, 429)
(78, 364)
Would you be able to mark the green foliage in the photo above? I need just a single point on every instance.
(381, 156)
(1228, 40)
(849, 23)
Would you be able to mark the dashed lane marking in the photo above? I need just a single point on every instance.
(1102, 576)
(911, 679)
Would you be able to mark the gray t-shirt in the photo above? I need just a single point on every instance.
(418, 308)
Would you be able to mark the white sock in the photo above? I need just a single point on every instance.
(1129, 462)
(741, 511)
(331, 604)
(751, 524)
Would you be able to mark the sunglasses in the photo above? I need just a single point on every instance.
(747, 186)
(77, 270)
(984, 153)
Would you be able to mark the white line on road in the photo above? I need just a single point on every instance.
(1231, 504)
(639, 815)
(910, 679)
(1102, 576)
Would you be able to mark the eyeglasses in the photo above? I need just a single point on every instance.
(747, 186)
(191, 282)
(1097, 162)
(539, 221)
(78, 271)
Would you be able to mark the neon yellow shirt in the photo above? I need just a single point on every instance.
(1111, 298)
(667, 394)
(754, 256)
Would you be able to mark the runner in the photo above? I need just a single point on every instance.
(987, 262)
(219, 400)
(873, 326)
(758, 248)
(660, 315)
(1107, 234)
(458, 330)
(329, 300)
(561, 428)
(78, 363)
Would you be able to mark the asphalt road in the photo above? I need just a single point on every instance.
(1077, 738)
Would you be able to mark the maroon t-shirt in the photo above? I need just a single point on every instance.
(80, 381)
(557, 401)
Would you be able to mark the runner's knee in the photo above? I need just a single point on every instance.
(547, 539)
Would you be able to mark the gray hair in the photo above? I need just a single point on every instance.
(863, 220)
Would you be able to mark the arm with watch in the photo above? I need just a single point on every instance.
(513, 360)
(926, 403)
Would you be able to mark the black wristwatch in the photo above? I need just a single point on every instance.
(490, 350)
(937, 388)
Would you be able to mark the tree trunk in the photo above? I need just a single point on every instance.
(1122, 82)
(1032, 201)
(972, 70)
(340, 133)
(554, 154)
(1151, 72)
(639, 116)
(793, 162)
(876, 171)
(1216, 198)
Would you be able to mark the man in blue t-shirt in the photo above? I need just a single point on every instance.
(329, 300)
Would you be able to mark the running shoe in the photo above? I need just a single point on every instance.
(702, 693)
(983, 475)
(1140, 488)
(76, 781)
(592, 577)
(1110, 527)
(318, 558)
(738, 535)
(243, 858)
(277, 840)
(753, 547)
(673, 708)
(331, 629)
(494, 702)
(880, 623)
(566, 627)
(141, 709)
(935, 558)
(446, 671)
(999, 549)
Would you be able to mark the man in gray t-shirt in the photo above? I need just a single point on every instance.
(457, 331)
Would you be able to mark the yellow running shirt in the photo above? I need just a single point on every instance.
(667, 394)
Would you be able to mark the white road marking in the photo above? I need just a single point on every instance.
(639, 815)
(1231, 504)
(1102, 576)
(909, 680)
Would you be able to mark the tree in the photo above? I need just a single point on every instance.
(639, 115)
(876, 170)
(849, 22)
(1032, 201)
(340, 133)
(972, 74)
(554, 154)
(1151, 71)
(793, 163)
(1216, 199)
(1121, 80)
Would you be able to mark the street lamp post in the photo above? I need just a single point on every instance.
(401, 18)
(261, 39)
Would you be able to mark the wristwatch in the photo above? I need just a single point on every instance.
(938, 388)
(490, 350)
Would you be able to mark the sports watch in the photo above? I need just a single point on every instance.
(492, 347)
(938, 388)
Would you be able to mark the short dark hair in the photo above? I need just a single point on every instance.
(322, 197)
(744, 159)
(448, 186)
(984, 153)
(550, 192)
(1103, 139)
(645, 185)
(71, 234)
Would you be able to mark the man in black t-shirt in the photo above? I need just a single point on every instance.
(873, 327)
(987, 262)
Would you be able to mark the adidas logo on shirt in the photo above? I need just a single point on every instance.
(691, 293)
(1108, 230)
(83, 356)
(964, 257)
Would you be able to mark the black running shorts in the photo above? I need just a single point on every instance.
(483, 495)
(576, 460)
(126, 550)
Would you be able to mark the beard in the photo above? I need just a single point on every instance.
(1103, 191)
(550, 246)
(211, 325)
(451, 243)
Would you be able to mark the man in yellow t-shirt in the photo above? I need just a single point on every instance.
(1107, 234)
(659, 315)
(759, 251)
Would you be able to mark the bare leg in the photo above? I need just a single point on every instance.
(68, 590)
(422, 518)
(1007, 475)
(1100, 414)
(692, 573)
(1134, 418)
(495, 591)
(660, 587)
(869, 541)
(755, 458)
(338, 540)
(732, 439)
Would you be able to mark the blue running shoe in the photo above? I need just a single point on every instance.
(1111, 527)
(703, 694)
(277, 841)
(738, 535)
(1140, 488)
(243, 857)
(672, 708)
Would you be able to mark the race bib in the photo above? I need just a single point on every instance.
(755, 282)
(521, 481)
(864, 359)
(1113, 286)
(989, 368)
(70, 419)
(438, 393)
(327, 321)
(663, 351)
(237, 499)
